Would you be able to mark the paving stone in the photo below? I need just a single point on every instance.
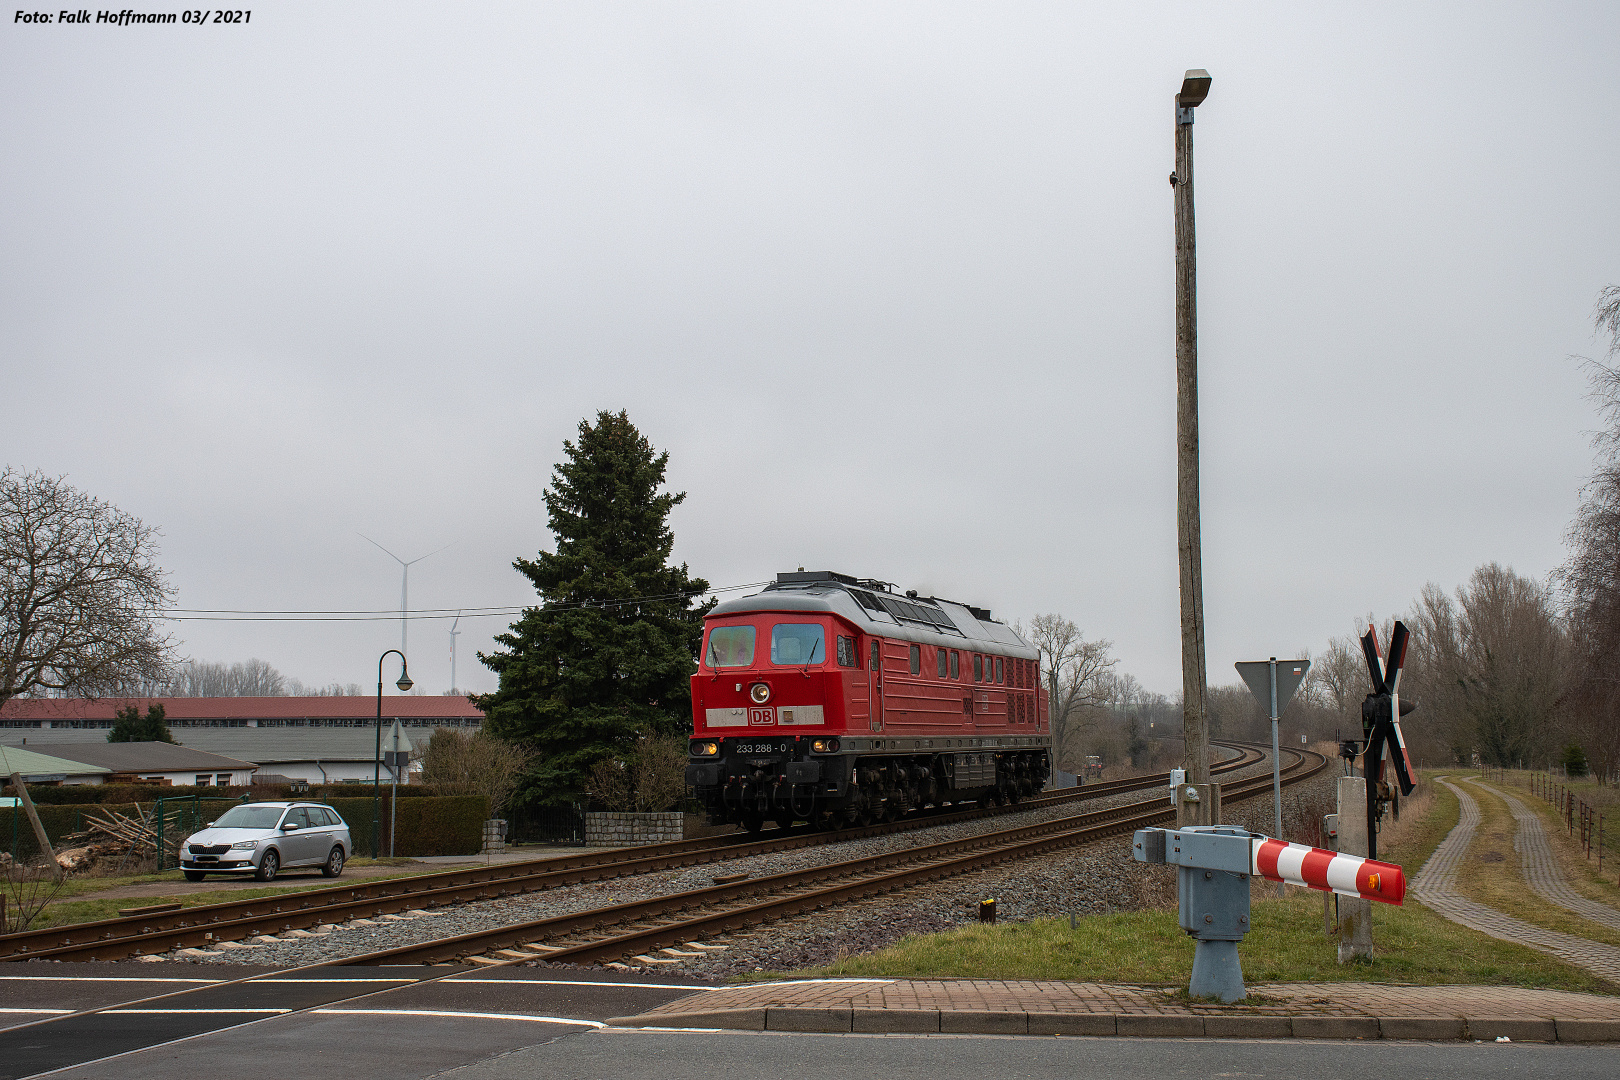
(1042, 1023)
(1541, 869)
(1588, 1030)
(1164, 1027)
(972, 1022)
(791, 1019)
(1430, 1028)
(1435, 886)
(1517, 1028)
(1248, 1027)
(1335, 1027)
(908, 1021)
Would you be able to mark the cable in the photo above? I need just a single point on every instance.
(395, 615)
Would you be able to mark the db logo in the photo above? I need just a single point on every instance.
(760, 717)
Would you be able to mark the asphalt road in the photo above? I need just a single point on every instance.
(512, 1024)
(394, 1022)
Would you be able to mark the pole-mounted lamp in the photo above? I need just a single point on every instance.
(404, 684)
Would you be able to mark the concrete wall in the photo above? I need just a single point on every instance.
(623, 830)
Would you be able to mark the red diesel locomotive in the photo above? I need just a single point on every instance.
(838, 701)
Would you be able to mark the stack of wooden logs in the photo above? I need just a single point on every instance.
(117, 836)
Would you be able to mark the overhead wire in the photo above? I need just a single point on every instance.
(395, 614)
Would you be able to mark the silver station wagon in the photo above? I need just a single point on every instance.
(263, 838)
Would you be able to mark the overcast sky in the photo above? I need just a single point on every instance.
(892, 283)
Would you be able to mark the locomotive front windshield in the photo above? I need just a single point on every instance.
(797, 644)
(730, 646)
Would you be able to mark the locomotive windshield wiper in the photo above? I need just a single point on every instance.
(812, 657)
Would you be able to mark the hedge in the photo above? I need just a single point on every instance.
(444, 825)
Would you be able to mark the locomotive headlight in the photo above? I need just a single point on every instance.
(699, 748)
(824, 746)
(760, 693)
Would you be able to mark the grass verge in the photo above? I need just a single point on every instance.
(1413, 944)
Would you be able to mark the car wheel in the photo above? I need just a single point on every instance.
(195, 875)
(334, 862)
(268, 865)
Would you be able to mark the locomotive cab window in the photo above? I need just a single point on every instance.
(877, 654)
(956, 664)
(798, 644)
(916, 659)
(998, 669)
(943, 657)
(846, 652)
(978, 668)
(730, 646)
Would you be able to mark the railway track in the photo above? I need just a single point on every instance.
(205, 925)
(638, 928)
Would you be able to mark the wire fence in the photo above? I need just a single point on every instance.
(1584, 821)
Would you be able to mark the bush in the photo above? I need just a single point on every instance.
(452, 825)
(444, 825)
(1573, 760)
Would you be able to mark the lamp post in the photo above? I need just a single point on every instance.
(404, 684)
(1194, 678)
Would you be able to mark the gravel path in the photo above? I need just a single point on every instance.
(1089, 880)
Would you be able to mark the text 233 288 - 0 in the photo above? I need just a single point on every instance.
(762, 747)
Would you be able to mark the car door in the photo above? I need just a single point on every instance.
(299, 845)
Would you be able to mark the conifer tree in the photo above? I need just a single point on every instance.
(605, 659)
(130, 726)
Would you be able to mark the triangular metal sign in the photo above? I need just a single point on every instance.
(1257, 676)
(398, 740)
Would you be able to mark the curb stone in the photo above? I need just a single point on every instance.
(966, 1022)
(1517, 1028)
(1426, 1028)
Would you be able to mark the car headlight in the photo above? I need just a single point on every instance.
(824, 746)
(760, 693)
(700, 748)
(245, 844)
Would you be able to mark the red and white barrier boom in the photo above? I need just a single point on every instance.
(1328, 871)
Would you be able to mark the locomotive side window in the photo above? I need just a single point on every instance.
(846, 652)
(956, 665)
(876, 654)
(943, 656)
(998, 669)
(730, 646)
(978, 668)
(916, 659)
(797, 644)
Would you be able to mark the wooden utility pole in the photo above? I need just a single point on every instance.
(45, 849)
(1194, 680)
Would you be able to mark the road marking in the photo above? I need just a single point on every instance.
(195, 1012)
(39, 1012)
(458, 1015)
(104, 978)
(576, 982)
(301, 982)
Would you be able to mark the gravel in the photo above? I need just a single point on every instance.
(1091, 879)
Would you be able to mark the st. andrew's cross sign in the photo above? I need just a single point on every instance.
(1381, 714)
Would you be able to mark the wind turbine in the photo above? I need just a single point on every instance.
(453, 634)
(404, 583)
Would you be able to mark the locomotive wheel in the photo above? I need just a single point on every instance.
(754, 823)
(1012, 795)
(784, 821)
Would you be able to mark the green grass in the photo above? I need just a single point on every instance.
(1412, 943)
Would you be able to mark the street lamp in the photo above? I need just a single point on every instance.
(404, 684)
(1194, 677)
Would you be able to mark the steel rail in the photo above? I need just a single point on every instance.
(873, 874)
(202, 925)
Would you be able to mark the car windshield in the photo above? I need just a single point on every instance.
(793, 644)
(249, 817)
(730, 646)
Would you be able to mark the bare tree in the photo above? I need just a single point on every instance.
(474, 763)
(1590, 579)
(652, 779)
(1078, 683)
(80, 592)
